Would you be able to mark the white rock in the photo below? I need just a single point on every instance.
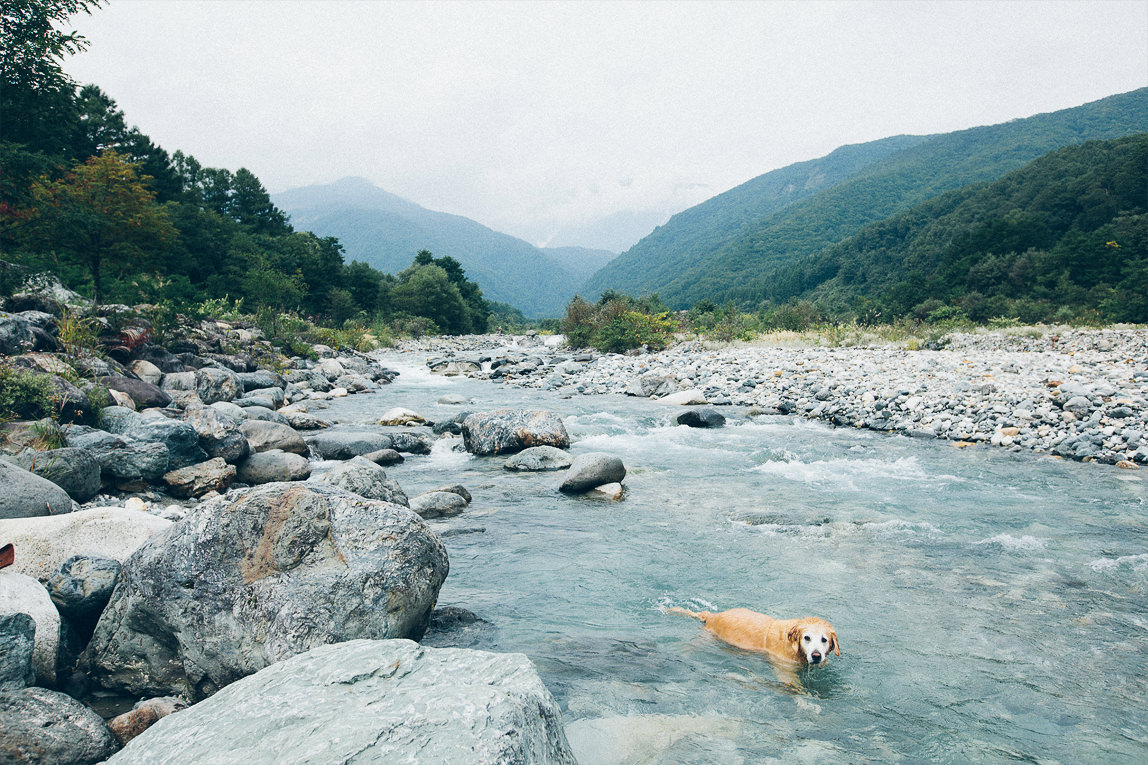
(23, 594)
(691, 397)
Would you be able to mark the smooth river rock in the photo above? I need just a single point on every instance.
(591, 470)
(27, 495)
(42, 726)
(506, 431)
(539, 458)
(379, 701)
(245, 582)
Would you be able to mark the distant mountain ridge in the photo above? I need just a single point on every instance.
(739, 244)
(386, 231)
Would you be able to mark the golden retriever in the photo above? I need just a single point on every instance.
(794, 642)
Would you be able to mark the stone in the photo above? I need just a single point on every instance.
(385, 457)
(273, 396)
(437, 504)
(44, 544)
(539, 458)
(684, 398)
(273, 466)
(611, 491)
(228, 408)
(455, 368)
(701, 417)
(374, 701)
(458, 489)
(217, 384)
(81, 587)
(412, 443)
(144, 394)
(260, 378)
(72, 404)
(219, 434)
(146, 371)
(43, 726)
(245, 582)
(180, 438)
(27, 495)
(506, 431)
(15, 334)
(74, 470)
(119, 398)
(178, 381)
(196, 480)
(265, 436)
(342, 444)
(21, 594)
(17, 640)
(400, 416)
(121, 458)
(255, 411)
(305, 421)
(590, 470)
(359, 475)
(143, 715)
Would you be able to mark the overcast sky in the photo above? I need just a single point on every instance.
(539, 119)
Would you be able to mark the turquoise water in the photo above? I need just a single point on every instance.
(991, 606)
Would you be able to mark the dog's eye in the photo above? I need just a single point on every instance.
(823, 640)
(806, 638)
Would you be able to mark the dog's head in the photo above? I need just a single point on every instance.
(812, 640)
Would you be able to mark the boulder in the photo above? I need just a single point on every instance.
(44, 544)
(196, 480)
(27, 495)
(216, 384)
(21, 594)
(144, 394)
(273, 395)
(610, 491)
(253, 411)
(265, 436)
(142, 716)
(180, 438)
(506, 431)
(342, 444)
(243, 583)
(359, 475)
(121, 458)
(76, 471)
(385, 457)
(684, 398)
(400, 416)
(81, 587)
(438, 504)
(305, 421)
(230, 409)
(260, 378)
(539, 458)
(701, 417)
(146, 371)
(648, 385)
(42, 726)
(17, 639)
(412, 443)
(219, 435)
(72, 404)
(272, 467)
(458, 489)
(373, 701)
(331, 368)
(15, 334)
(591, 470)
(455, 368)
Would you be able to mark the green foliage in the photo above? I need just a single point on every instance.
(76, 334)
(24, 395)
(618, 323)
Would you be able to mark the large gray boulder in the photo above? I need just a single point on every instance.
(81, 588)
(506, 431)
(273, 467)
(701, 417)
(377, 701)
(17, 638)
(342, 444)
(359, 475)
(260, 378)
(217, 384)
(197, 480)
(27, 495)
(245, 582)
(121, 458)
(539, 458)
(15, 334)
(76, 471)
(42, 726)
(591, 470)
(438, 504)
(180, 438)
(145, 395)
(265, 436)
(219, 435)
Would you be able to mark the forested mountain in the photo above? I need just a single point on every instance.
(689, 258)
(1068, 231)
(385, 231)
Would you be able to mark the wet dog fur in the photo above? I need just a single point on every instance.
(793, 643)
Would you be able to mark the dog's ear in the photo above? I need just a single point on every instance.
(794, 634)
(836, 645)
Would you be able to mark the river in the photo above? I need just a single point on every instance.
(991, 606)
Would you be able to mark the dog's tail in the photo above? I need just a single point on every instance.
(700, 616)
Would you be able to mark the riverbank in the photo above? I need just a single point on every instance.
(1078, 394)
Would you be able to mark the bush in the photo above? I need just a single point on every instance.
(24, 395)
(618, 323)
(633, 330)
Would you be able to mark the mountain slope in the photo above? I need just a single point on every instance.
(386, 231)
(1069, 229)
(751, 266)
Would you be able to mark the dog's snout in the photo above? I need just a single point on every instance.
(815, 657)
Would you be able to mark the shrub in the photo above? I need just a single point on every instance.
(24, 395)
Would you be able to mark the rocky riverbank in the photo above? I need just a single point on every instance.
(1078, 394)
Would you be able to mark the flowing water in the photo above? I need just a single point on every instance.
(991, 606)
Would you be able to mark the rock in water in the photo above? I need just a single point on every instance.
(371, 701)
(242, 584)
(42, 726)
(506, 431)
(590, 470)
(701, 417)
(539, 458)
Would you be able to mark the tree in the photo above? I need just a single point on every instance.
(427, 291)
(35, 93)
(100, 216)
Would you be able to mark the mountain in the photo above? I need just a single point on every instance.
(741, 244)
(1067, 231)
(386, 231)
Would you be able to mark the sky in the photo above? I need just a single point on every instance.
(585, 123)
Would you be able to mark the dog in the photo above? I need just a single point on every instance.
(791, 642)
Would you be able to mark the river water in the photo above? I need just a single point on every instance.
(991, 606)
